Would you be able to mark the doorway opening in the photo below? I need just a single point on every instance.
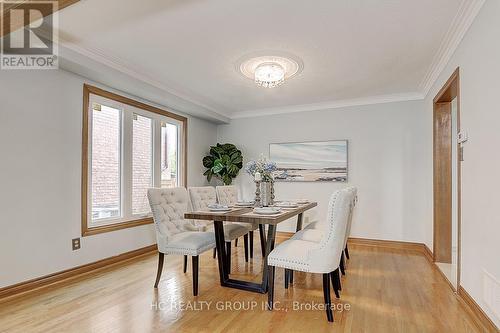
(447, 159)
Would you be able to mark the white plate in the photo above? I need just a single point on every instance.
(302, 201)
(244, 204)
(221, 209)
(267, 211)
(286, 205)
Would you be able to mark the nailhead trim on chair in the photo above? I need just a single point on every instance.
(188, 251)
(336, 210)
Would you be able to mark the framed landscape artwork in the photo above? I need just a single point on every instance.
(320, 161)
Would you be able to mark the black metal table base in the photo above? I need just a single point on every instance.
(225, 281)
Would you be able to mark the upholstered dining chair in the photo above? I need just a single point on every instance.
(321, 257)
(174, 234)
(201, 198)
(349, 223)
(314, 231)
(228, 195)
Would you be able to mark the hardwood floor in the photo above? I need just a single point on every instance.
(386, 290)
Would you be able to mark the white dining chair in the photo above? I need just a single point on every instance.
(315, 231)
(201, 198)
(228, 195)
(321, 257)
(174, 234)
(349, 223)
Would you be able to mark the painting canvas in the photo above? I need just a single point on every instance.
(310, 161)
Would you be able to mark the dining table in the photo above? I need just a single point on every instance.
(248, 215)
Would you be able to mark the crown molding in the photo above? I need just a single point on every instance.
(121, 66)
(461, 23)
(381, 99)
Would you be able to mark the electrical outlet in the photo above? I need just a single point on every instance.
(75, 243)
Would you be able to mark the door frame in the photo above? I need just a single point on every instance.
(446, 94)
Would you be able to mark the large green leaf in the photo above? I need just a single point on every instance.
(216, 152)
(228, 146)
(218, 166)
(227, 179)
(237, 160)
(208, 161)
(226, 160)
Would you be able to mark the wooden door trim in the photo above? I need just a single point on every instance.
(446, 94)
(442, 183)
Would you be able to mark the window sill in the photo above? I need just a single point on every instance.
(86, 231)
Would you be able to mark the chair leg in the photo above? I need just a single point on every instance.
(195, 275)
(185, 263)
(215, 251)
(342, 264)
(337, 278)
(270, 292)
(236, 242)
(326, 293)
(287, 274)
(245, 241)
(160, 268)
(251, 243)
(228, 257)
(334, 276)
(346, 250)
(262, 240)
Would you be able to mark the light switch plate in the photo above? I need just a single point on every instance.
(462, 137)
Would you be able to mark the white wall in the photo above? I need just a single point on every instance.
(40, 172)
(385, 162)
(478, 57)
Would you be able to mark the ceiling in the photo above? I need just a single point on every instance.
(353, 50)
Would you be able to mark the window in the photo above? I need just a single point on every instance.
(106, 166)
(128, 147)
(142, 163)
(168, 155)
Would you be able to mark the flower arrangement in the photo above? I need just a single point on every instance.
(263, 167)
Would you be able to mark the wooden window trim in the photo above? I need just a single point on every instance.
(87, 90)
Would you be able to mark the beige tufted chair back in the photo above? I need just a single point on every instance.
(227, 195)
(202, 196)
(326, 257)
(168, 206)
(354, 197)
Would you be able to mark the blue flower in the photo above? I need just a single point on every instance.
(251, 167)
(262, 165)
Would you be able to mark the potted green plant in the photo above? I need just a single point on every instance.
(224, 162)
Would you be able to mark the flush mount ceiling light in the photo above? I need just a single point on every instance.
(270, 71)
(269, 74)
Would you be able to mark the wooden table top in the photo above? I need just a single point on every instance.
(246, 215)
